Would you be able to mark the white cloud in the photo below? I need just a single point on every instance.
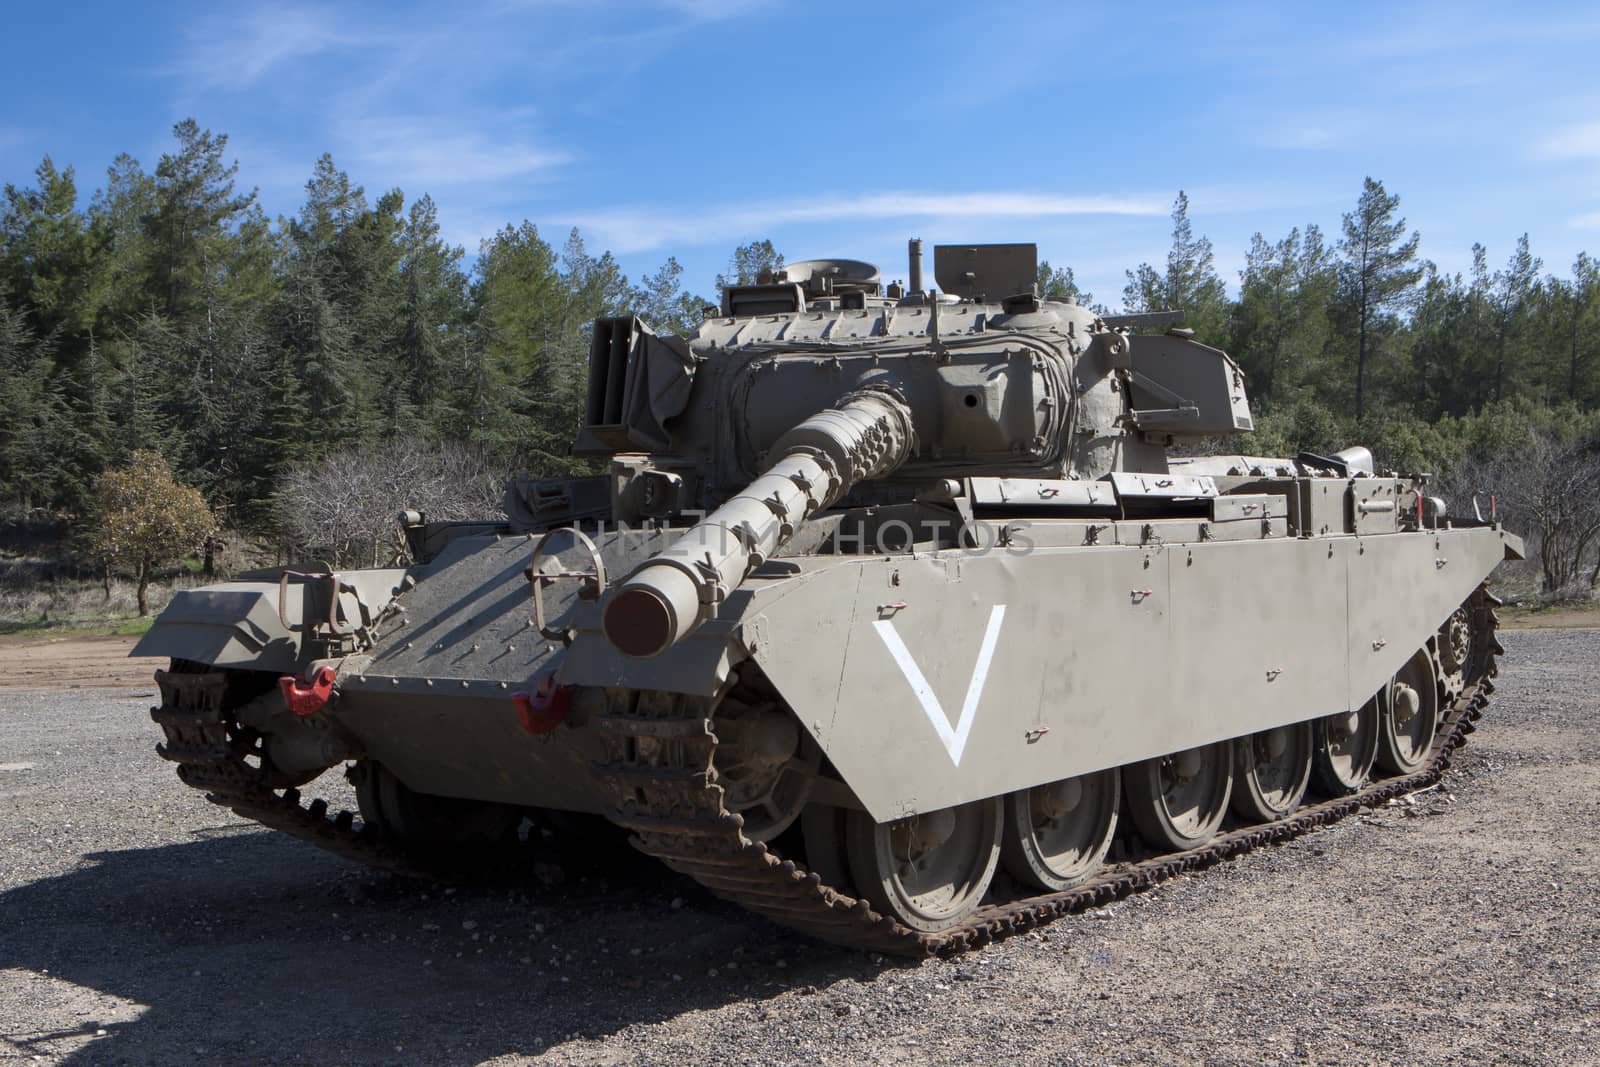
(1581, 141)
(237, 51)
(440, 154)
(630, 230)
(1588, 221)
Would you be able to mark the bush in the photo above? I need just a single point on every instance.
(342, 508)
(145, 519)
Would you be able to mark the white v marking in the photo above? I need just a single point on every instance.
(954, 738)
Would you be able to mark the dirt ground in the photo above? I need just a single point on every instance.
(28, 662)
(139, 924)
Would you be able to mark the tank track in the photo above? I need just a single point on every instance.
(214, 752)
(661, 783)
(659, 778)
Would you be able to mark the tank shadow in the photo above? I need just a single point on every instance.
(240, 947)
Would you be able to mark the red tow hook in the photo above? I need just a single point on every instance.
(307, 698)
(546, 707)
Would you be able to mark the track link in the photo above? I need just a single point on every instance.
(660, 781)
(214, 754)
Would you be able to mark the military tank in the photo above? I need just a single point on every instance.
(896, 615)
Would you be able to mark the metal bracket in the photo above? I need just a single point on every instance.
(1180, 409)
(335, 587)
(594, 579)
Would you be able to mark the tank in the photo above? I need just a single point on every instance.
(907, 618)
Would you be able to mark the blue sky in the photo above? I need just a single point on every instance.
(685, 127)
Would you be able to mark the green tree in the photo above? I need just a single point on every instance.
(1059, 284)
(1189, 283)
(118, 215)
(51, 259)
(145, 519)
(38, 421)
(1377, 274)
(748, 263)
(1571, 314)
(1279, 326)
(195, 213)
(517, 296)
(1513, 291)
(48, 253)
(429, 322)
(662, 302)
(1445, 352)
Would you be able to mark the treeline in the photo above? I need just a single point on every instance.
(165, 311)
(1358, 338)
(170, 313)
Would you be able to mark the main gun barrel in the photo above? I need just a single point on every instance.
(866, 435)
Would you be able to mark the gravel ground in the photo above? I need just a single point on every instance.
(140, 925)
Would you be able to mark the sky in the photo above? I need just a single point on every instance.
(688, 127)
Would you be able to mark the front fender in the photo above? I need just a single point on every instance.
(239, 624)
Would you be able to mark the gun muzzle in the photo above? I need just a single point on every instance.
(867, 435)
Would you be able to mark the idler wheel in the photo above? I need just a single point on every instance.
(928, 871)
(1057, 835)
(1177, 802)
(1345, 746)
(1271, 771)
(1410, 717)
(765, 761)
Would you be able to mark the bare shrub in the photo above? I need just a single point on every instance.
(342, 508)
(1549, 490)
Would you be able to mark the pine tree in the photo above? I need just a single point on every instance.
(38, 418)
(1514, 289)
(1377, 273)
(118, 214)
(1189, 284)
(748, 263)
(51, 260)
(518, 297)
(1279, 326)
(431, 315)
(1572, 315)
(48, 254)
(195, 211)
(662, 302)
(1059, 284)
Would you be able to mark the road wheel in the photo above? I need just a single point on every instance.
(929, 871)
(1177, 802)
(1271, 770)
(1057, 835)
